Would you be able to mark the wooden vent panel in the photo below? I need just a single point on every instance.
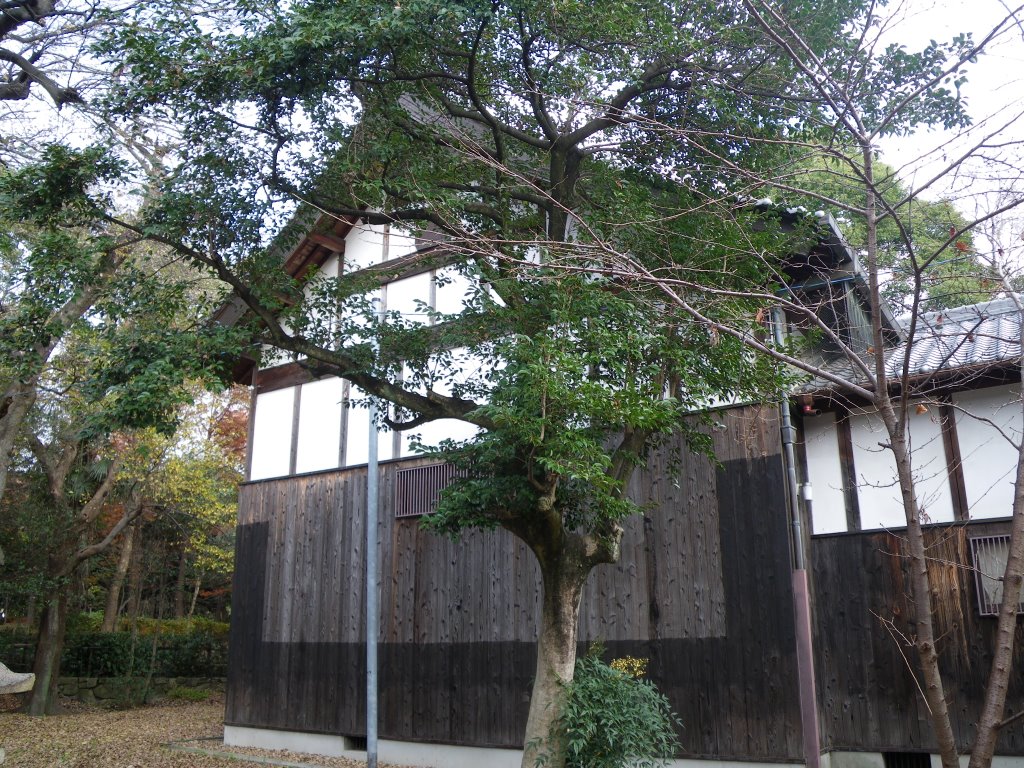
(417, 489)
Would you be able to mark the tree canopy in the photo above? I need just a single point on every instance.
(514, 134)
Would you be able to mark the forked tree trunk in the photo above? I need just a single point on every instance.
(52, 623)
(117, 582)
(556, 660)
(920, 584)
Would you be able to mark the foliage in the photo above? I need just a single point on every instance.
(940, 240)
(184, 693)
(628, 665)
(199, 651)
(521, 134)
(87, 623)
(103, 342)
(614, 719)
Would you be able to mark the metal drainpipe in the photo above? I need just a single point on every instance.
(372, 609)
(801, 588)
(788, 456)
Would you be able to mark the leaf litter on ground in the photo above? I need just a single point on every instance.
(93, 737)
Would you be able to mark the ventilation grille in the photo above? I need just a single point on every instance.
(417, 489)
(989, 554)
(906, 759)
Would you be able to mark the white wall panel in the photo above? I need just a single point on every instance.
(271, 436)
(357, 439)
(432, 433)
(452, 291)
(320, 411)
(825, 474)
(364, 247)
(400, 243)
(878, 492)
(989, 460)
(403, 295)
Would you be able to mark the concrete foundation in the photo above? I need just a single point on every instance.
(449, 756)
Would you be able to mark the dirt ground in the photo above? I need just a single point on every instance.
(88, 737)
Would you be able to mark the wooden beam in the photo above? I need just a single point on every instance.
(954, 462)
(845, 439)
(327, 240)
(281, 376)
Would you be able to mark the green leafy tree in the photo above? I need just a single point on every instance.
(519, 134)
(98, 344)
(955, 277)
(844, 102)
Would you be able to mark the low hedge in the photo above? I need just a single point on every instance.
(173, 652)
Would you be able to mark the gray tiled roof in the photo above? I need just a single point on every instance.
(965, 339)
(962, 337)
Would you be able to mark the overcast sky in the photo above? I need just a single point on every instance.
(994, 90)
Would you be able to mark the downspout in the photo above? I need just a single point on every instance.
(801, 589)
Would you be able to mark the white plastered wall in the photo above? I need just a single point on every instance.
(989, 459)
(320, 413)
(326, 418)
(271, 436)
(878, 491)
(825, 474)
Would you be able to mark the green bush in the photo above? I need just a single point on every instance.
(17, 647)
(199, 654)
(148, 627)
(615, 720)
(183, 693)
(184, 648)
(98, 654)
(85, 621)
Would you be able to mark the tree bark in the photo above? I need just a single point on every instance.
(563, 579)
(52, 624)
(117, 582)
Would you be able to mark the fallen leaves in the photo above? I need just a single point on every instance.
(99, 738)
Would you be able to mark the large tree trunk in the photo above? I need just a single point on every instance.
(52, 623)
(117, 582)
(563, 581)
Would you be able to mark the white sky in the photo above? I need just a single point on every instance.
(994, 90)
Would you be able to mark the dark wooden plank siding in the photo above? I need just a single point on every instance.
(702, 591)
(868, 695)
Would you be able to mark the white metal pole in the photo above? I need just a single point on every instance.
(372, 621)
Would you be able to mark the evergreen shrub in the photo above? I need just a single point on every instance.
(614, 719)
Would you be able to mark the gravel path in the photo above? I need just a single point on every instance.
(97, 738)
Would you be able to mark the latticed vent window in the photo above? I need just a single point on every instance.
(417, 489)
(989, 554)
